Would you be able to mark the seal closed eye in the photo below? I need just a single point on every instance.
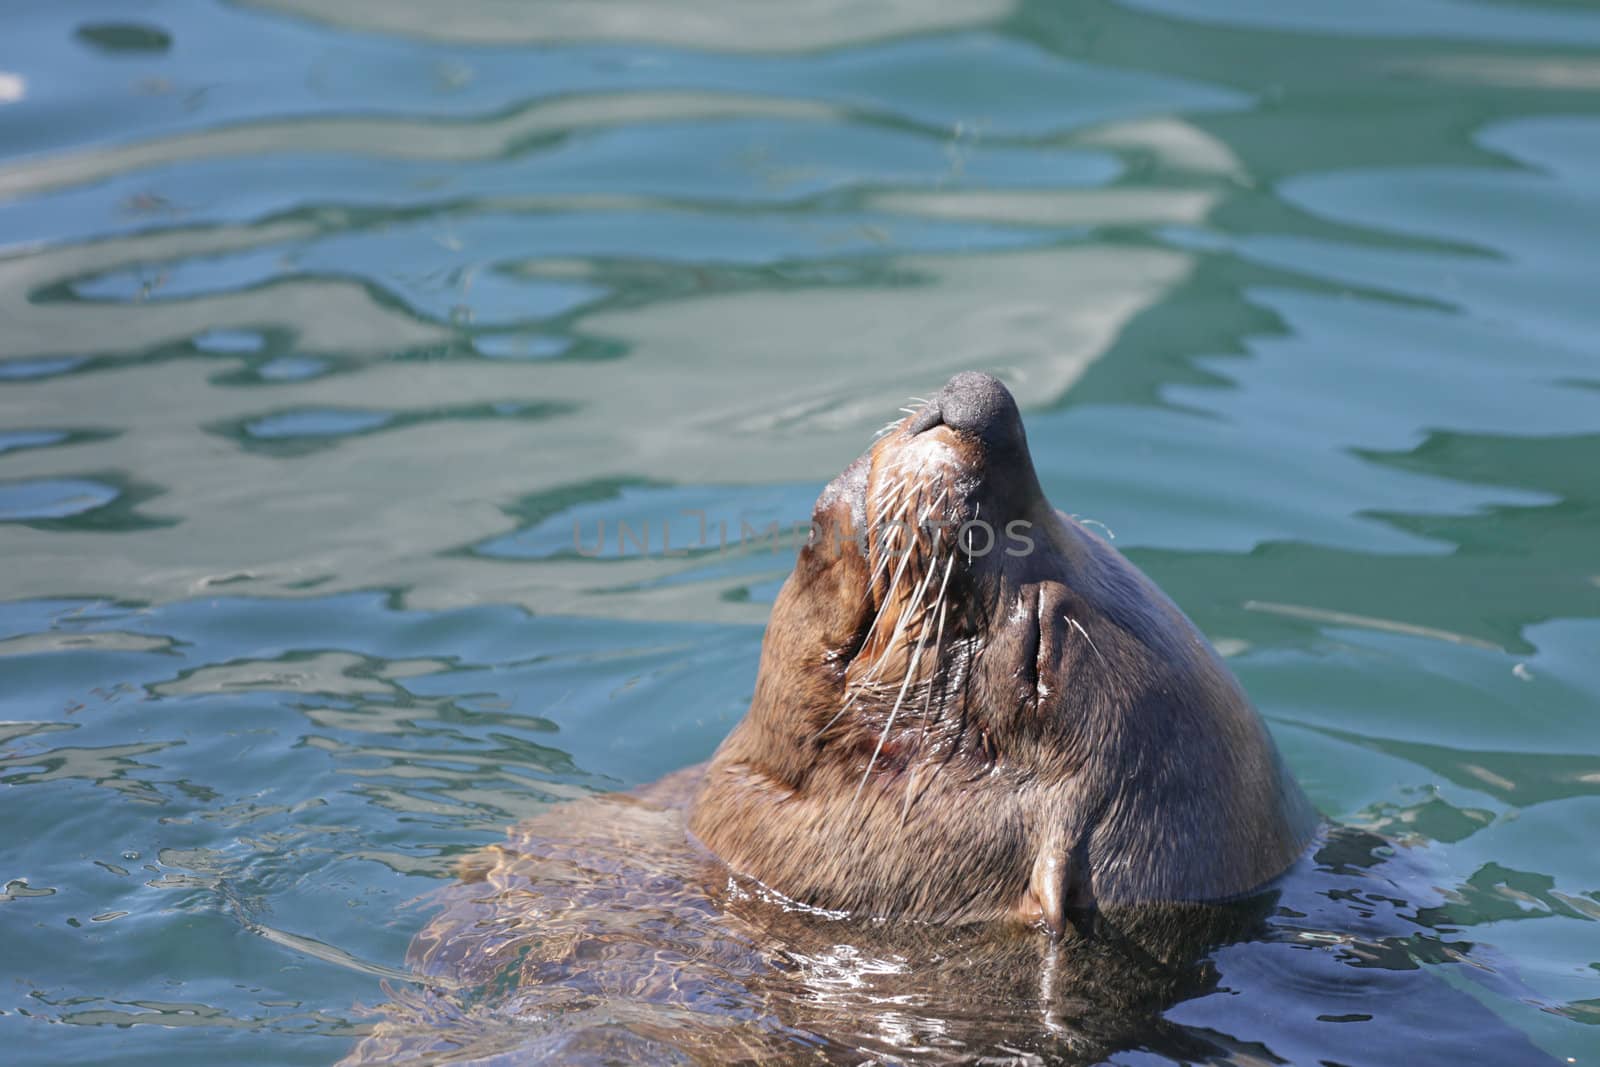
(970, 707)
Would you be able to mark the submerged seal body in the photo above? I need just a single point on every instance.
(971, 707)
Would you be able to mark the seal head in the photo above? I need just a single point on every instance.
(970, 707)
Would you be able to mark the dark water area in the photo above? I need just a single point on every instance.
(335, 336)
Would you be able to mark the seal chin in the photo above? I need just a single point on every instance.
(970, 707)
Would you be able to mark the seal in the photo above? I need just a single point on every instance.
(970, 707)
(973, 718)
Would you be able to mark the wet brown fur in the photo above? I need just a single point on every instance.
(1117, 801)
(1074, 742)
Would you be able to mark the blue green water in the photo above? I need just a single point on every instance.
(324, 322)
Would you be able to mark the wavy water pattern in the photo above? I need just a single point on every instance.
(406, 408)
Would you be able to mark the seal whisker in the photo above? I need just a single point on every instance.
(1076, 625)
(883, 561)
(911, 791)
(871, 677)
(1111, 535)
(900, 625)
(916, 599)
(977, 513)
(911, 672)
(873, 629)
(911, 788)
(888, 596)
(938, 647)
(898, 507)
(849, 701)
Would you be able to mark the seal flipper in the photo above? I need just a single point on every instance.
(1046, 896)
(1057, 894)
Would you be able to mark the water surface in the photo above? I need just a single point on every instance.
(323, 324)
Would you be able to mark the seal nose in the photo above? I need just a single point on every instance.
(974, 403)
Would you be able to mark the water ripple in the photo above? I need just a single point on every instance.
(323, 326)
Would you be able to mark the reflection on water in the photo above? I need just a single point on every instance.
(596, 934)
(338, 340)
